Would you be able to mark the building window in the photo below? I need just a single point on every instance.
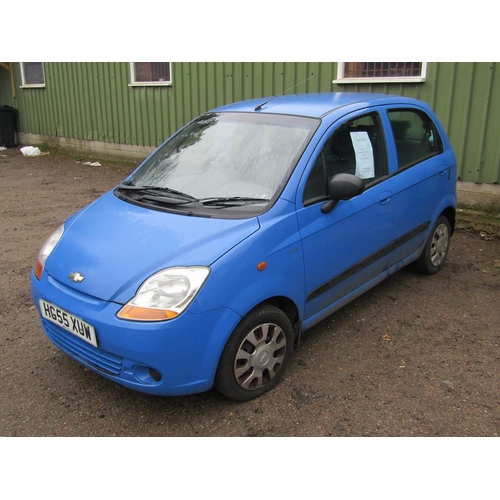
(150, 73)
(380, 72)
(32, 74)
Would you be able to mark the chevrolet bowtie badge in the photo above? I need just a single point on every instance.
(76, 277)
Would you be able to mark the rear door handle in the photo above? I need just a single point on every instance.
(385, 197)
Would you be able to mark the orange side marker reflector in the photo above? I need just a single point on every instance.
(261, 266)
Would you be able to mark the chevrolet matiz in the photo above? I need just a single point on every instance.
(248, 226)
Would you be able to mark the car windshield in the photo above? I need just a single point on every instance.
(227, 159)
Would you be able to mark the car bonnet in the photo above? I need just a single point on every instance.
(108, 249)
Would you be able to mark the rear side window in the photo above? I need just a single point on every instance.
(356, 147)
(416, 136)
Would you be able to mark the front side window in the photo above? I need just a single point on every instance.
(150, 73)
(381, 72)
(415, 135)
(32, 74)
(358, 148)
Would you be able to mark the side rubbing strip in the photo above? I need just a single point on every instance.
(359, 266)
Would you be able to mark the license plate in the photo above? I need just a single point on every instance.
(71, 323)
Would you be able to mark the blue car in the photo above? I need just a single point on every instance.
(244, 229)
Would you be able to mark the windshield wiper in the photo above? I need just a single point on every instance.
(162, 195)
(158, 192)
(234, 201)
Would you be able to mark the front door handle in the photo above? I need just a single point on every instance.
(385, 197)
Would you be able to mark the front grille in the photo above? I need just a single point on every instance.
(99, 359)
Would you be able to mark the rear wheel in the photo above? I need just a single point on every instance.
(436, 249)
(256, 355)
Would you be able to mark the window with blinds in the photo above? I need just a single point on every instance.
(354, 72)
(151, 73)
(32, 74)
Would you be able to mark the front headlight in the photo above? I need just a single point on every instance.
(46, 250)
(166, 294)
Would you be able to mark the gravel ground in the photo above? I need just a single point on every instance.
(416, 356)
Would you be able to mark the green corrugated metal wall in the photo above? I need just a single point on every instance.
(93, 101)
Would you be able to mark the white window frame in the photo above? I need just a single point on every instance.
(25, 85)
(134, 83)
(388, 79)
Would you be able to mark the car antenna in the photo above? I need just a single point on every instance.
(284, 92)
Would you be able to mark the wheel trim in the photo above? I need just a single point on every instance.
(439, 245)
(260, 356)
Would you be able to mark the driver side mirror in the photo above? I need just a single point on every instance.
(342, 187)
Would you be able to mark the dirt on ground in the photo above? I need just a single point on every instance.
(416, 356)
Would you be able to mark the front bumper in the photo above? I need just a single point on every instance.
(169, 358)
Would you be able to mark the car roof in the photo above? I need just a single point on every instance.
(314, 105)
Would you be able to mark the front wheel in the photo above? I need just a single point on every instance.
(256, 355)
(436, 248)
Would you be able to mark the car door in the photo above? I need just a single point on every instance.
(423, 174)
(347, 250)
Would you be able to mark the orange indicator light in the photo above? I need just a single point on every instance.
(261, 266)
(38, 269)
(145, 314)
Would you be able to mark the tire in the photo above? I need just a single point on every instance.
(256, 355)
(436, 249)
